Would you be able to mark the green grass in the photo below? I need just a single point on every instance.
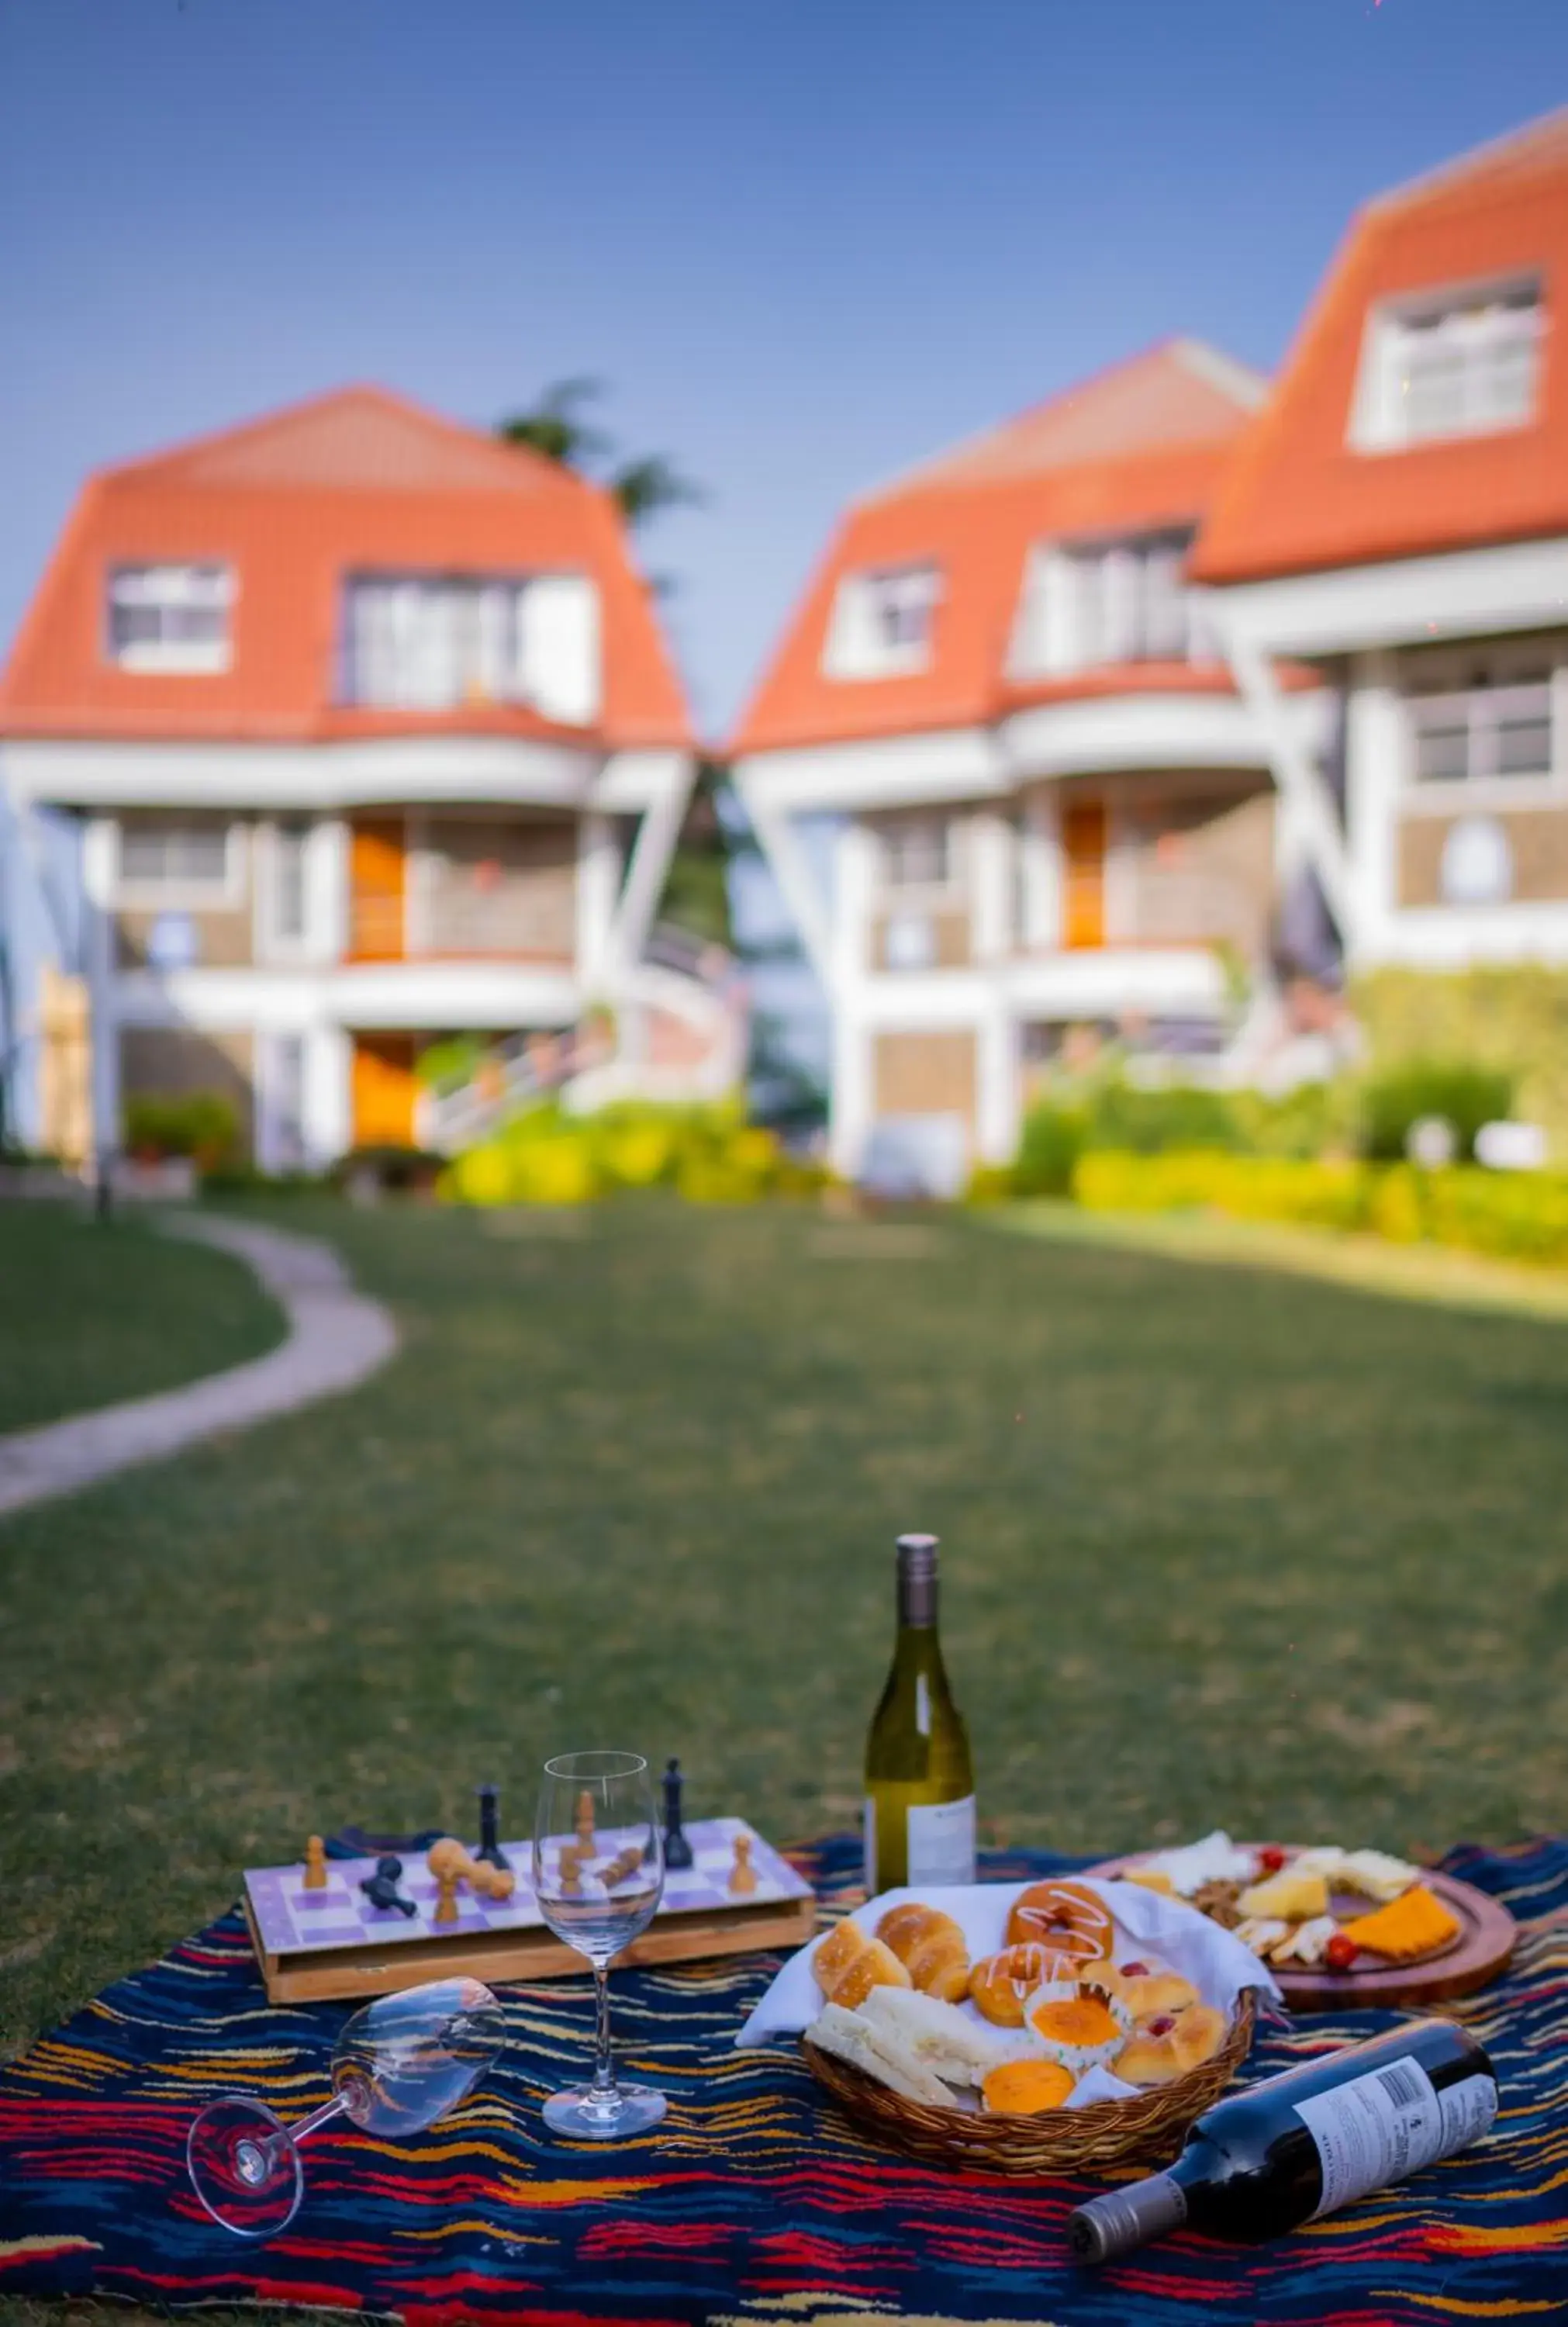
(92, 1311)
(1219, 1545)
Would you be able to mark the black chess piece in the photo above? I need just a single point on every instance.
(381, 1888)
(677, 1850)
(489, 1832)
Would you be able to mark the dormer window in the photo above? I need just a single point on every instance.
(446, 641)
(1090, 604)
(1461, 364)
(170, 618)
(882, 623)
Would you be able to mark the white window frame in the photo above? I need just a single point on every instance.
(1465, 317)
(851, 649)
(183, 895)
(896, 895)
(272, 1154)
(197, 581)
(272, 942)
(1455, 678)
(1050, 630)
(462, 638)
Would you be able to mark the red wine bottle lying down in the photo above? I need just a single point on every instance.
(1301, 2145)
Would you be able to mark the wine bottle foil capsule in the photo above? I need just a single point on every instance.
(1107, 2227)
(918, 1579)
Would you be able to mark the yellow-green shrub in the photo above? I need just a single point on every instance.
(710, 1154)
(1520, 1216)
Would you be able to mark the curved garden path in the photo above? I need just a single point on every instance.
(337, 1338)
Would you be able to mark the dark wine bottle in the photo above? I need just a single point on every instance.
(1301, 2145)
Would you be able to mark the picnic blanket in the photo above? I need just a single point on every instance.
(756, 2200)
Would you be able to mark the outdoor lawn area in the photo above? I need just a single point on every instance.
(1220, 1546)
(94, 1312)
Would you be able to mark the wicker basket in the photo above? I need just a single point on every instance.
(1148, 2128)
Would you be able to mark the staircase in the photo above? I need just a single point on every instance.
(679, 1036)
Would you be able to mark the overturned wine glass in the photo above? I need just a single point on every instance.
(399, 2066)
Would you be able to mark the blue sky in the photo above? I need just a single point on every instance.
(805, 244)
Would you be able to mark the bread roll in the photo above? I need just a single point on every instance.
(930, 1947)
(877, 2054)
(847, 1965)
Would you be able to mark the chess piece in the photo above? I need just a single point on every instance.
(381, 1888)
(448, 1857)
(571, 1872)
(677, 1850)
(315, 1875)
(742, 1873)
(585, 1823)
(492, 1881)
(490, 1848)
(445, 1897)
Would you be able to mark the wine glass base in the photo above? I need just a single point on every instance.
(584, 2113)
(245, 2168)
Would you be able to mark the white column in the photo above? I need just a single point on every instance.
(327, 890)
(998, 1102)
(598, 880)
(327, 1114)
(100, 852)
(1374, 743)
(1041, 872)
(990, 886)
(852, 1107)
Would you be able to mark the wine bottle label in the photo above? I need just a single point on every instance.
(1389, 2124)
(941, 1842)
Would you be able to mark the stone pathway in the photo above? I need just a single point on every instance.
(337, 1338)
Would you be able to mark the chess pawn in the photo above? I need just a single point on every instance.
(445, 1897)
(585, 1820)
(502, 1882)
(315, 1875)
(448, 1857)
(742, 1873)
(571, 1873)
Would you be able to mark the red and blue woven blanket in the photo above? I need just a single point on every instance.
(756, 2200)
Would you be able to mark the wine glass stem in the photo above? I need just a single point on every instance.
(278, 2145)
(605, 2065)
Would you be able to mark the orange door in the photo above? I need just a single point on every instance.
(384, 1091)
(1083, 852)
(378, 886)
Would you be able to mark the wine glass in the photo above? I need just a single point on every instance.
(398, 2065)
(598, 1877)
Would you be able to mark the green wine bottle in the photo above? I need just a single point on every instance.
(920, 1781)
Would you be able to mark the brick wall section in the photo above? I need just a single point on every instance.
(926, 1073)
(1201, 869)
(1539, 837)
(500, 885)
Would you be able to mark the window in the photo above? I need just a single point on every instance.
(917, 853)
(184, 857)
(1107, 602)
(1466, 734)
(1458, 366)
(882, 623)
(170, 618)
(431, 642)
(289, 844)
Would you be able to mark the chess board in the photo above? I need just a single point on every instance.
(316, 1945)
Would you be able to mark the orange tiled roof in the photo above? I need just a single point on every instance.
(1138, 446)
(1296, 497)
(357, 479)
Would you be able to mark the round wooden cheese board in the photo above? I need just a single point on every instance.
(1481, 1948)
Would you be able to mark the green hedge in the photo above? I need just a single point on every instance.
(1513, 1216)
(203, 1125)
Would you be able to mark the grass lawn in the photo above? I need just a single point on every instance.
(91, 1311)
(1220, 1546)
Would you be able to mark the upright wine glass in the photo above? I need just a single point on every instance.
(398, 2065)
(598, 1875)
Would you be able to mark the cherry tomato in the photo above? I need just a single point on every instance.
(1341, 1952)
(1135, 1971)
(1271, 1860)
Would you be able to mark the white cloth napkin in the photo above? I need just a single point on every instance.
(1214, 1959)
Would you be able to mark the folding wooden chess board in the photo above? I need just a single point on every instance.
(317, 1945)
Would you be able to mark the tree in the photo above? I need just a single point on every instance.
(554, 425)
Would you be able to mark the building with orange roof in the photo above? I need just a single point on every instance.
(369, 734)
(1003, 717)
(1397, 518)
